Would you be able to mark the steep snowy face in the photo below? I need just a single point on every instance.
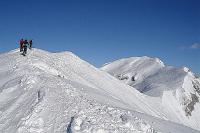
(149, 75)
(133, 70)
(177, 88)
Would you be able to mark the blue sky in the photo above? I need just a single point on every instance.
(100, 31)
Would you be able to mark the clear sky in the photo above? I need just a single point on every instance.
(100, 31)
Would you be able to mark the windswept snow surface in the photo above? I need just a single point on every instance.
(47, 92)
(177, 89)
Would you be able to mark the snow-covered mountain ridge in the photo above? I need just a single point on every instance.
(47, 92)
(177, 88)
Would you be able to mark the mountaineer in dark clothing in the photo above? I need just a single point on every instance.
(25, 46)
(30, 44)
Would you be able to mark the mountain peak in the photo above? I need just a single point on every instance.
(59, 92)
(175, 86)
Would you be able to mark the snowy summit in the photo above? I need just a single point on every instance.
(177, 89)
(45, 92)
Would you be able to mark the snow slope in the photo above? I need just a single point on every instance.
(47, 92)
(177, 89)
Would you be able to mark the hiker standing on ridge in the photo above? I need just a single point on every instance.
(21, 42)
(25, 45)
(30, 44)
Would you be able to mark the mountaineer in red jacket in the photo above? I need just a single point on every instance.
(21, 42)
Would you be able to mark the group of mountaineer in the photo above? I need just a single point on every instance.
(24, 44)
